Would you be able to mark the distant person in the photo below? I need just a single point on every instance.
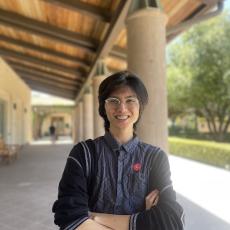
(52, 133)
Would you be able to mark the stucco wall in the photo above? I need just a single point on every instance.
(17, 97)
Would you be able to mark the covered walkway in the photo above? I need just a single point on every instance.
(29, 187)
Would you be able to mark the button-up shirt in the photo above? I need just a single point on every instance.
(108, 177)
(122, 176)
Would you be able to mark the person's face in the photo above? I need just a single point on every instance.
(122, 108)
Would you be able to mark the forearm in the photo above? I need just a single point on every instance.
(91, 224)
(116, 222)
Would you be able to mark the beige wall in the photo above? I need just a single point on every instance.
(17, 97)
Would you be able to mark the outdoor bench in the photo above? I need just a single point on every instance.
(8, 153)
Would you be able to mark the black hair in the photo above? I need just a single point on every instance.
(115, 81)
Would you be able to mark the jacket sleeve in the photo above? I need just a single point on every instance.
(167, 214)
(71, 207)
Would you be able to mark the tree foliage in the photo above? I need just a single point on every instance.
(199, 73)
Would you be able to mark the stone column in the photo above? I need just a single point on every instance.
(98, 78)
(75, 118)
(88, 114)
(80, 132)
(146, 38)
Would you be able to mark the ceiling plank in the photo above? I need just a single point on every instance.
(37, 79)
(50, 90)
(83, 8)
(115, 27)
(38, 69)
(46, 82)
(43, 50)
(45, 76)
(25, 57)
(49, 31)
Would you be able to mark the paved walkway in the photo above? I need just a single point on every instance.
(204, 192)
(28, 188)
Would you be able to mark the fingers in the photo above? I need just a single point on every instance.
(152, 199)
(156, 200)
(154, 193)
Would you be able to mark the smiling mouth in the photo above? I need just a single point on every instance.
(122, 117)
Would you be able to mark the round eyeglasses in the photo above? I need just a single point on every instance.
(129, 102)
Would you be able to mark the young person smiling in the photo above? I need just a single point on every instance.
(116, 181)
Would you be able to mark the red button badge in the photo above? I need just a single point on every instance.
(136, 167)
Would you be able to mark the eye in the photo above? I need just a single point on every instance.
(113, 101)
(131, 100)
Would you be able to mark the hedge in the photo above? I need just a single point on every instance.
(208, 152)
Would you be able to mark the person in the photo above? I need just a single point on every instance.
(52, 133)
(116, 181)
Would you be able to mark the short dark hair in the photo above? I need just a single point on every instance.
(115, 81)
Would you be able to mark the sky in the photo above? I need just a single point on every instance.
(227, 4)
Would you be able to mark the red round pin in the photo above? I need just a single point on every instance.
(136, 167)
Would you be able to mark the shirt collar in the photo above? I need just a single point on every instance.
(131, 144)
(128, 147)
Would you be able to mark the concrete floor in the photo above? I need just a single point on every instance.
(204, 192)
(28, 188)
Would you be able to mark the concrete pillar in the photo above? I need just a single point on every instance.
(80, 134)
(75, 119)
(98, 78)
(88, 114)
(146, 40)
(98, 121)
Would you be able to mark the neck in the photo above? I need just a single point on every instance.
(122, 136)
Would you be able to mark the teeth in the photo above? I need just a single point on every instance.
(121, 117)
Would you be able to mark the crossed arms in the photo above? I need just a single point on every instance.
(71, 208)
(103, 221)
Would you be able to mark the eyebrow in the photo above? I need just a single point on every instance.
(125, 97)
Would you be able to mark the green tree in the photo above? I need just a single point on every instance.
(177, 90)
(201, 59)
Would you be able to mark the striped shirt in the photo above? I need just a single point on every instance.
(111, 178)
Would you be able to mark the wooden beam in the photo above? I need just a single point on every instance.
(45, 73)
(46, 82)
(43, 50)
(39, 68)
(50, 90)
(39, 80)
(83, 8)
(37, 83)
(111, 35)
(45, 76)
(25, 57)
(46, 30)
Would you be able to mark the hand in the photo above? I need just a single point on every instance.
(151, 199)
(92, 215)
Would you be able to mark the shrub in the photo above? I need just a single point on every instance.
(216, 154)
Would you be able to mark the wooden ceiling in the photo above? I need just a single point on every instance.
(54, 45)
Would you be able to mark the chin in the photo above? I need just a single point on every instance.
(124, 126)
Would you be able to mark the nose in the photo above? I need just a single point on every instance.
(122, 107)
